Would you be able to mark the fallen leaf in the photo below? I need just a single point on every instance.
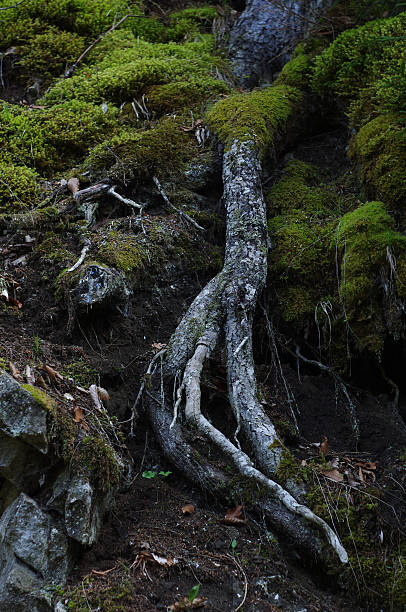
(15, 372)
(184, 604)
(188, 509)
(324, 450)
(333, 474)
(68, 397)
(73, 185)
(53, 374)
(158, 346)
(233, 517)
(79, 414)
(103, 395)
(79, 417)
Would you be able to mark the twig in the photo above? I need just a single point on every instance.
(80, 260)
(180, 212)
(81, 57)
(127, 201)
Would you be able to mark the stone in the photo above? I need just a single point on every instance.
(83, 516)
(100, 286)
(21, 416)
(34, 553)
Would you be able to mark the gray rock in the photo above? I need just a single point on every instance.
(83, 515)
(34, 553)
(100, 286)
(21, 416)
(266, 33)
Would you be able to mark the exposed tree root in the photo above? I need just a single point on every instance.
(225, 307)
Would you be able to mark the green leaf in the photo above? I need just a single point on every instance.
(193, 593)
(165, 474)
(148, 474)
(234, 544)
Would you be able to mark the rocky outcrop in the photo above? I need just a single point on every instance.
(46, 508)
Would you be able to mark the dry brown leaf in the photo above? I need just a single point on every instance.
(158, 346)
(188, 509)
(184, 604)
(14, 371)
(103, 395)
(360, 474)
(102, 573)
(333, 474)
(368, 465)
(79, 417)
(41, 383)
(324, 450)
(233, 517)
(53, 374)
(73, 185)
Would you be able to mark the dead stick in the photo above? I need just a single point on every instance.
(180, 212)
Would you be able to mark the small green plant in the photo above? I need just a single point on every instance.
(165, 474)
(233, 545)
(149, 474)
(193, 593)
(37, 347)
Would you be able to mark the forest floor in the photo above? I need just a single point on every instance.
(232, 563)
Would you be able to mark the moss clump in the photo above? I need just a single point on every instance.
(189, 23)
(256, 116)
(122, 72)
(363, 238)
(296, 72)
(19, 188)
(364, 65)
(81, 372)
(52, 250)
(48, 139)
(303, 214)
(96, 457)
(132, 154)
(115, 596)
(122, 252)
(379, 148)
(48, 53)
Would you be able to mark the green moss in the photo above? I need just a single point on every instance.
(363, 238)
(133, 154)
(379, 148)
(52, 250)
(81, 372)
(121, 252)
(97, 457)
(365, 65)
(189, 23)
(112, 597)
(48, 53)
(123, 72)
(19, 188)
(296, 72)
(258, 116)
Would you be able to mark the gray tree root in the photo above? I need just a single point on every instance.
(226, 305)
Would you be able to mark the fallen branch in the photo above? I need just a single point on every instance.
(126, 201)
(169, 203)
